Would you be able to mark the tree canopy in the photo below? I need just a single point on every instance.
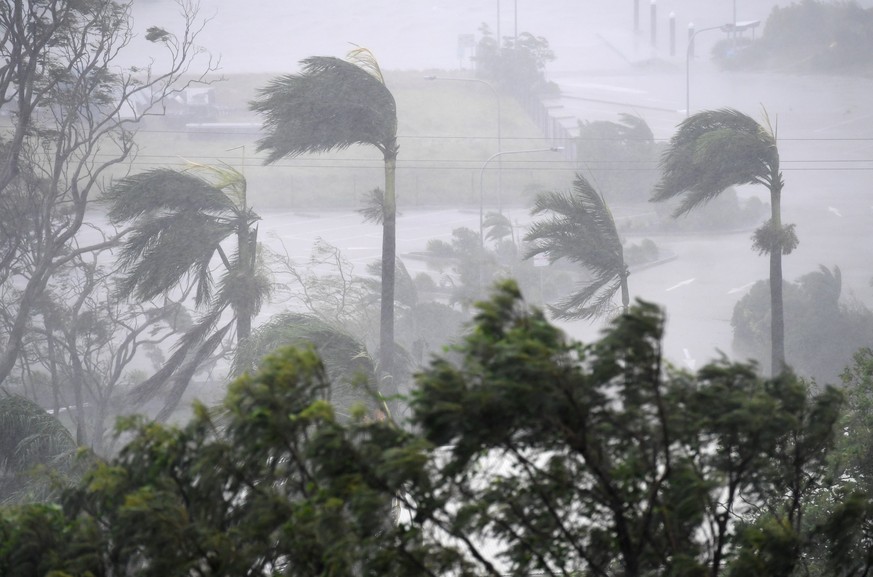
(525, 452)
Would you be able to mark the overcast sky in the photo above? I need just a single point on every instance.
(274, 35)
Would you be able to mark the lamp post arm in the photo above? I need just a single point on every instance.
(482, 188)
(688, 50)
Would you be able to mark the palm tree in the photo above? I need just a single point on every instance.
(179, 221)
(582, 230)
(30, 437)
(331, 105)
(350, 369)
(717, 149)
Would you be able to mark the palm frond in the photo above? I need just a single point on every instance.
(331, 105)
(224, 178)
(187, 346)
(635, 128)
(159, 252)
(159, 190)
(374, 206)
(182, 378)
(366, 60)
(498, 226)
(580, 228)
(244, 290)
(348, 364)
(29, 435)
(592, 300)
(711, 151)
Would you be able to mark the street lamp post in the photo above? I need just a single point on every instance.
(732, 27)
(688, 53)
(482, 189)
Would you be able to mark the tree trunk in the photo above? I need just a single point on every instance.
(389, 254)
(625, 293)
(777, 322)
(245, 262)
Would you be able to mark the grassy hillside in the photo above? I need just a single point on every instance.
(447, 129)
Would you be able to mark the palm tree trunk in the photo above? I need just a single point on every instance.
(247, 251)
(389, 254)
(625, 293)
(777, 320)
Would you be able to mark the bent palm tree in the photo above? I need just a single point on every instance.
(331, 105)
(581, 230)
(179, 220)
(717, 149)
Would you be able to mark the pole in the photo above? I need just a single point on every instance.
(688, 53)
(636, 17)
(499, 39)
(482, 187)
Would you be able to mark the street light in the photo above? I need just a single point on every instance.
(482, 189)
(730, 27)
(496, 98)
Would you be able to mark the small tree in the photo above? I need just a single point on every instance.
(179, 220)
(74, 114)
(580, 228)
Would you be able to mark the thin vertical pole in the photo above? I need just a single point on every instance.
(654, 23)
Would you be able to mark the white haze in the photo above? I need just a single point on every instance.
(824, 124)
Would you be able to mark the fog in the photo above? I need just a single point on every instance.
(423, 34)
(603, 68)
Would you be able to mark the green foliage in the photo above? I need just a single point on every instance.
(619, 157)
(714, 150)
(526, 452)
(516, 64)
(350, 369)
(823, 331)
(331, 105)
(579, 227)
(41, 540)
(33, 444)
(810, 36)
(178, 222)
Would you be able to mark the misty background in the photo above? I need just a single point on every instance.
(603, 67)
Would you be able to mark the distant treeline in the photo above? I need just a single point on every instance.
(806, 37)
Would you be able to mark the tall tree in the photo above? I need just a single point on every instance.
(331, 105)
(716, 149)
(179, 220)
(74, 111)
(581, 229)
